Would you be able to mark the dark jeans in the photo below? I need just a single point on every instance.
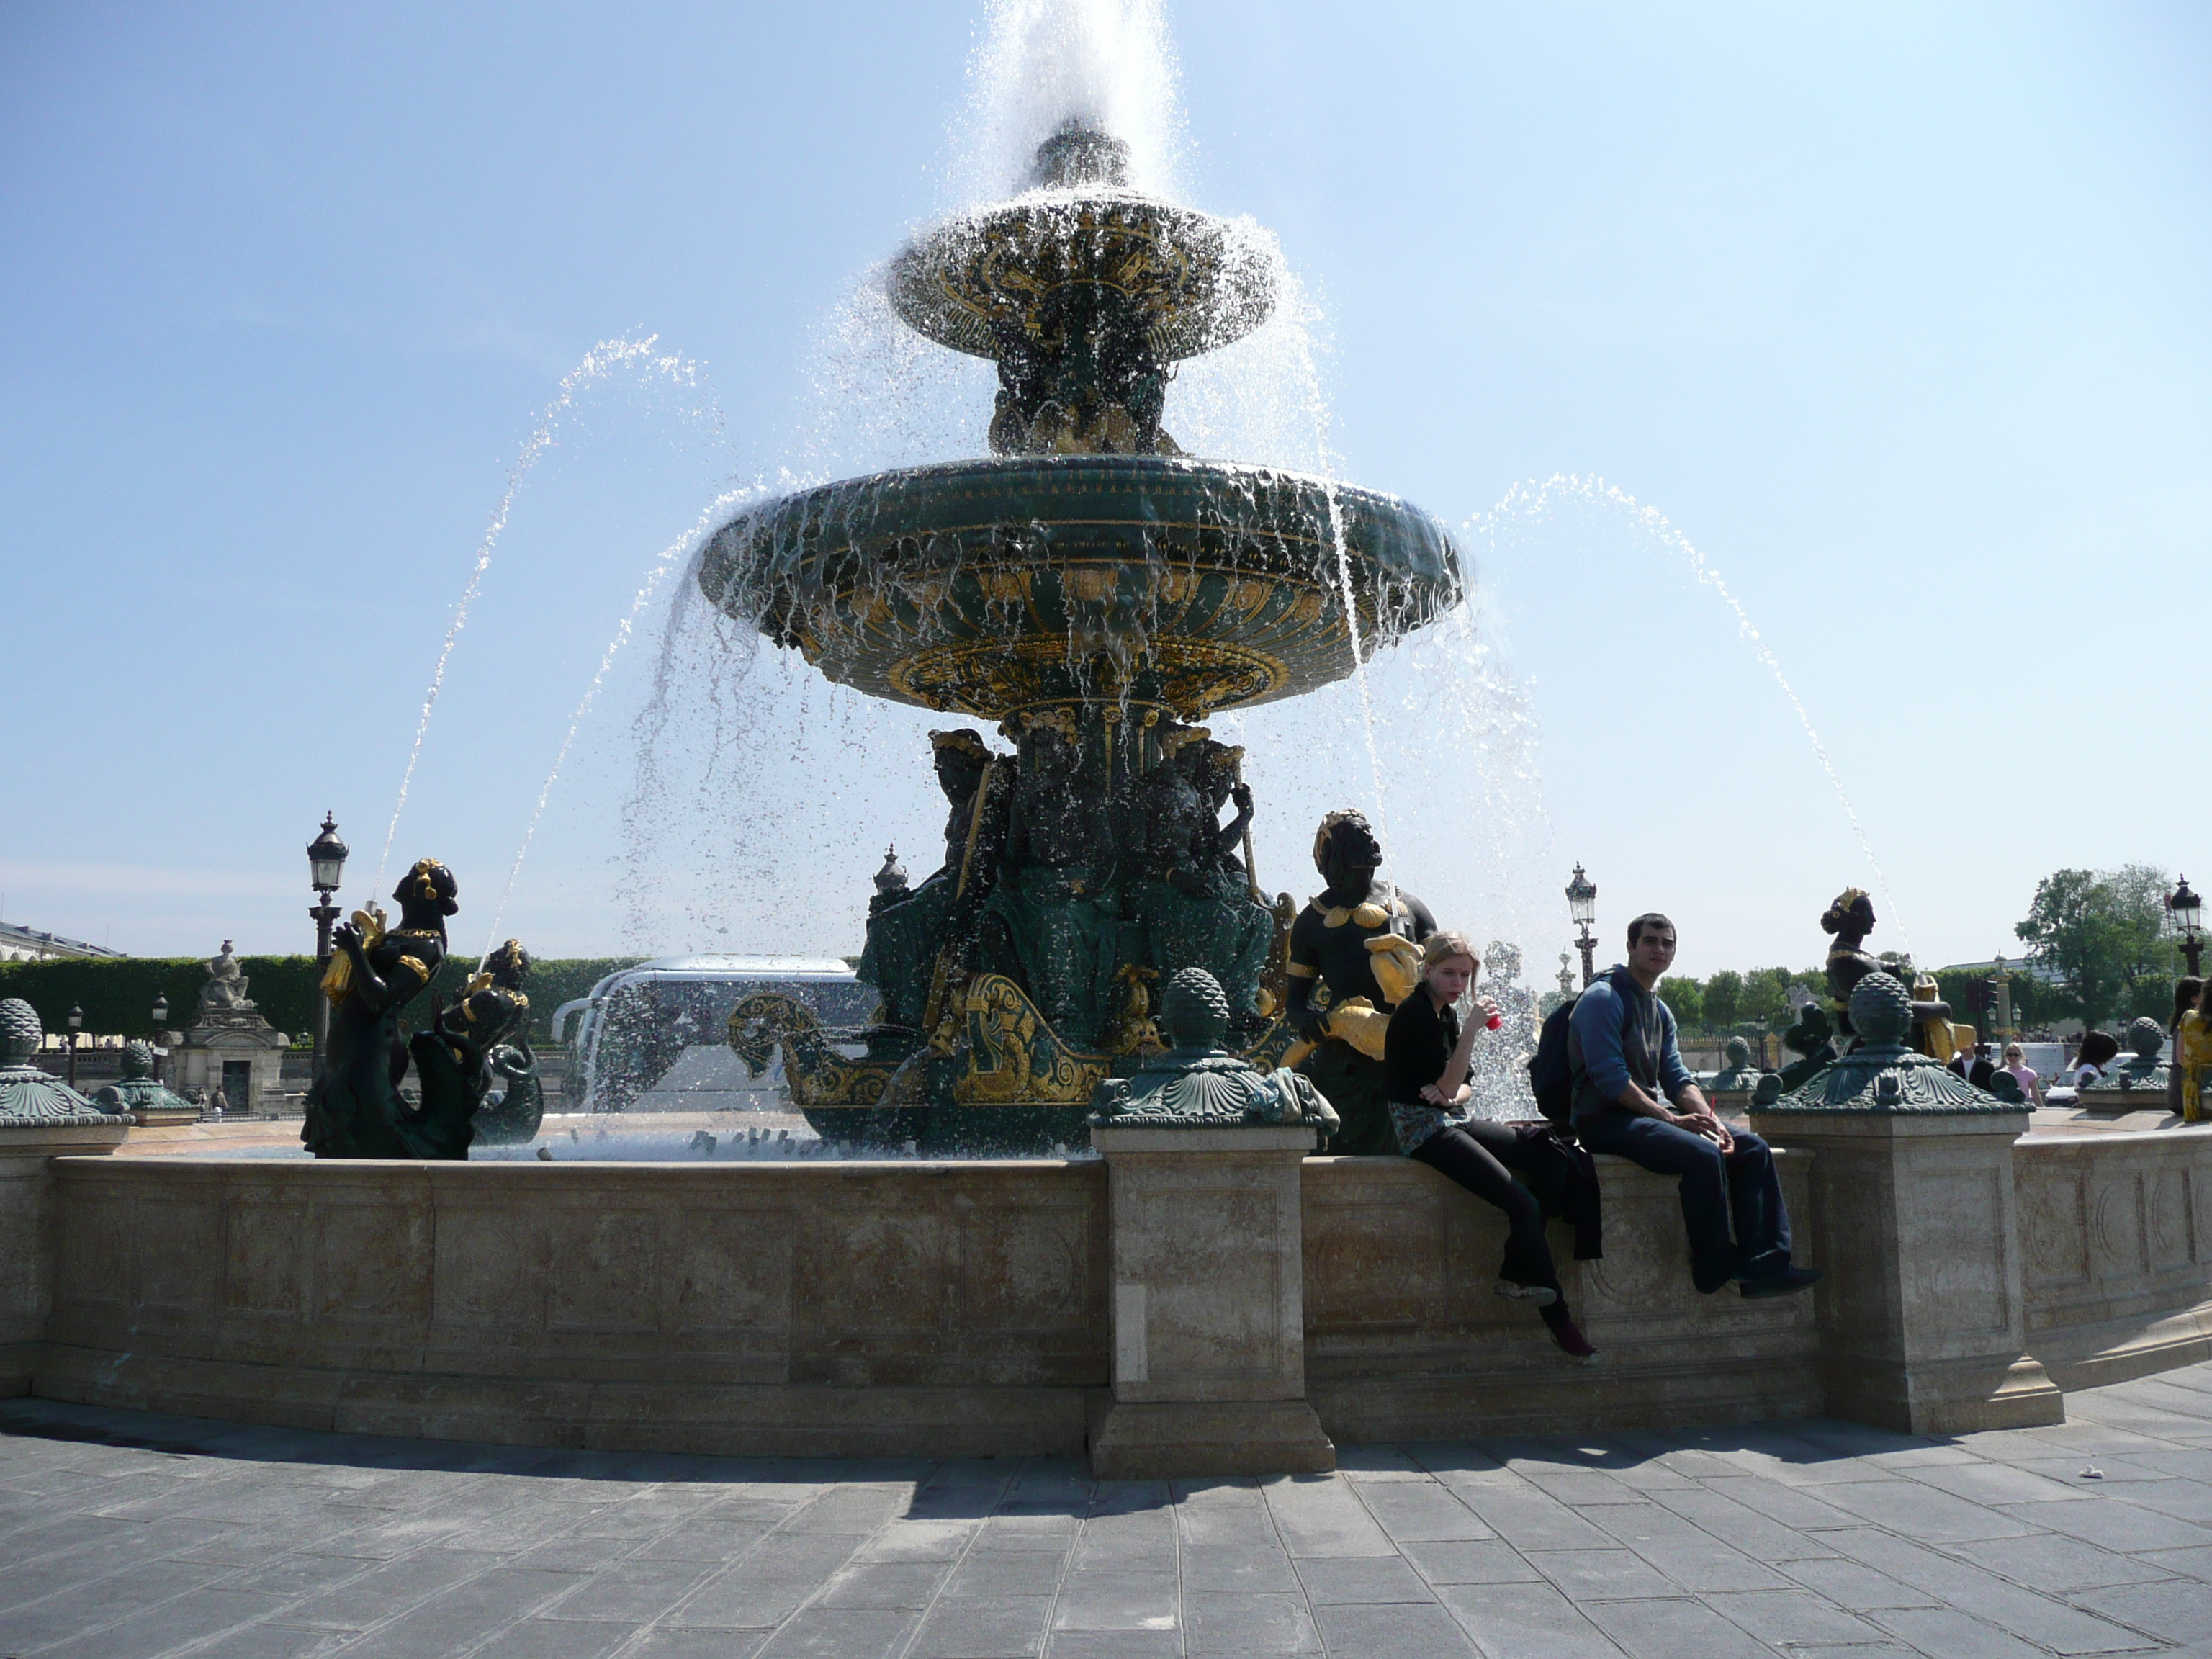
(1715, 1187)
(1480, 1156)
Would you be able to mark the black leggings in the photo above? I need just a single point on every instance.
(1480, 1156)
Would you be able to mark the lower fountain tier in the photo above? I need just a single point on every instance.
(989, 586)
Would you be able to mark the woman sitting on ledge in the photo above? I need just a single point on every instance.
(1425, 1062)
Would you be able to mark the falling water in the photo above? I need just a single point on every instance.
(1530, 501)
(600, 360)
(667, 559)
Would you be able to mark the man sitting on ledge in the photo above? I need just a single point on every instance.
(1622, 1050)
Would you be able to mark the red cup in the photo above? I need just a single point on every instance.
(1494, 1021)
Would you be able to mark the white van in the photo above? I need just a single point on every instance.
(655, 1037)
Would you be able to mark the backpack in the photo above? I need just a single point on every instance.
(1549, 1077)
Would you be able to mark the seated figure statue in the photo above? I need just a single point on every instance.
(1739, 1074)
(1192, 895)
(1197, 1083)
(908, 931)
(1357, 940)
(1052, 920)
(1849, 917)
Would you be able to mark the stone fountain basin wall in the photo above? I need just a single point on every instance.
(950, 1309)
(2115, 1251)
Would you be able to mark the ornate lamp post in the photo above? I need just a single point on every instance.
(1581, 906)
(326, 857)
(2183, 909)
(2001, 988)
(75, 1024)
(161, 1019)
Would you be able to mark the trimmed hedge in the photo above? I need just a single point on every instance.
(117, 993)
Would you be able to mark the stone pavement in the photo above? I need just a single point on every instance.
(136, 1536)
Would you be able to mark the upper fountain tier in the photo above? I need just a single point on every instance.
(1088, 563)
(1084, 291)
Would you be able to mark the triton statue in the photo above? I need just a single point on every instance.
(1357, 940)
(495, 1012)
(354, 1109)
(1197, 1084)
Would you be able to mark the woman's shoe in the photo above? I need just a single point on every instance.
(1572, 1343)
(1536, 1296)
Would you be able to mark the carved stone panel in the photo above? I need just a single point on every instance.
(608, 1264)
(729, 1270)
(1953, 1263)
(265, 1256)
(2115, 1223)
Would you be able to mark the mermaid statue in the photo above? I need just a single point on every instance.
(1850, 919)
(495, 1012)
(354, 1109)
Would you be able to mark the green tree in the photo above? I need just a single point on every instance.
(1723, 998)
(1687, 999)
(2098, 930)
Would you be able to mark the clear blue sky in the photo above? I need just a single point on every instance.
(1902, 315)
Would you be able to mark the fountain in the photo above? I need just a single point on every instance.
(1098, 595)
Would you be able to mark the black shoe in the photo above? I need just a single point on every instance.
(1788, 1282)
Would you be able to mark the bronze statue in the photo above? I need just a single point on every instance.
(1192, 895)
(1851, 918)
(1197, 1084)
(907, 932)
(495, 1012)
(1357, 940)
(354, 1109)
(1053, 918)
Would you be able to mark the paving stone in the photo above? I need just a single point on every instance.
(2195, 1562)
(1317, 1516)
(1446, 1459)
(704, 1540)
(1360, 1578)
(172, 1624)
(1003, 1574)
(1794, 1619)
(1531, 1520)
(1694, 1560)
(1952, 1635)
(1116, 1601)
(82, 1605)
(1673, 1630)
(1055, 1532)
(1115, 1645)
(577, 1554)
(2184, 1500)
(1760, 1539)
(665, 1643)
(884, 1584)
(843, 1633)
(2114, 1523)
(2033, 1618)
(2176, 1609)
(1142, 1540)
(1006, 1627)
(1526, 1621)
(295, 1576)
(767, 1584)
(455, 1619)
(1247, 1624)
(542, 1639)
(856, 1510)
(920, 1540)
(1916, 1512)
(386, 1589)
(1258, 1566)
(270, 1641)
(1855, 1585)
(2051, 1561)
(629, 1592)
(1995, 1483)
(1584, 1574)
(1396, 1632)
(1792, 1506)
(1491, 1562)
(1422, 1511)
(92, 1549)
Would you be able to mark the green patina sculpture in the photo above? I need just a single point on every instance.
(1883, 1074)
(30, 1096)
(2138, 1068)
(136, 1092)
(1197, 1083)
(354, 1109)
(495, 1013)
(1739, 1074)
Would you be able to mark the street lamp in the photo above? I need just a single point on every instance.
(161, 1019)
(75, 1024)
(2182, 910)
(326, 857)
(1581, 906)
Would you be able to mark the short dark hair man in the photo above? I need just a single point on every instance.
(1978, 1070)
(1622, 1050)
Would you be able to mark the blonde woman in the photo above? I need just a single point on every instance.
(2031, 1086)
(1424, 1064)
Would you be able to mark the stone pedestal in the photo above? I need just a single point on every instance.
(1921, 1313)
(1207, 1292)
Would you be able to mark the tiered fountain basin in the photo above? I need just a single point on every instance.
(990, 586)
